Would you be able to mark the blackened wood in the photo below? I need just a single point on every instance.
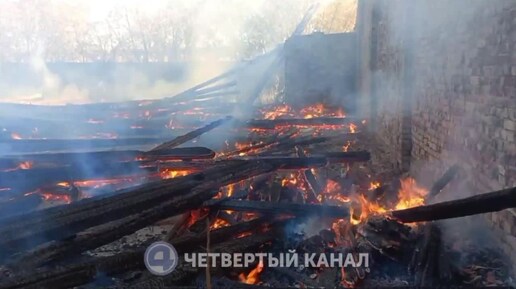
(20, 205)
(215, 88)
(439, 185)
(479, 204)
(85, 271)
(281, 122)
(42, 145)
(26, 181)
(179, 226)
(62, 222)
(191, 135)
(291, 143)
(254, 148)
(127, 155)
(109, 232)
(282, 162)
(133, 260)
(425, 263)
(60, 277)
(315, 188)
(284, 208)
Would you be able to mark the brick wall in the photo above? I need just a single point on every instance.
(441, 85)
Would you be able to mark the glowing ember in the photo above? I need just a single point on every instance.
(319, 109)
(312, 111)
(374, 185)
(242, 235)
(27, 165)
(231, 189)
(352, 128)
(345, 147)
(278, 111)
(171, 173)
(253, 276)
(56, 197)
(219, 223)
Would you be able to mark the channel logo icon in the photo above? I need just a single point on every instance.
(161, 258)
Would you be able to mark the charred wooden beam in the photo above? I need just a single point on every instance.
(43, 145)
(479, 204)
(20, 205)
(290, 144)
(109, 232)
(215, 88)
(254, 148)
(65, 221)
(191, 135)
(283, 162)
(428, 265)
(315, 188)
(439, 185)
(25, 181)
(86, 271)
(60, 277)
(282, 122)
(284, 208)
(119, 156)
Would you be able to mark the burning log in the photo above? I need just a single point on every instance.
(62, 222)
(151, 194)
(479, 204)
(315, 188)
(252, 149)
(282, 162)
(110, 156)
(191, 135)
(43, 145)
(289, 144)
(26, 181)
(41, 170)
(284, 208)
(281, 122)
(106, 233)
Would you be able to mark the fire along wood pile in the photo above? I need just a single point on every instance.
(81, 213)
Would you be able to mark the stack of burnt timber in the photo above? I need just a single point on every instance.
(47, 248)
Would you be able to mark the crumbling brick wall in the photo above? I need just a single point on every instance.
(443, 83)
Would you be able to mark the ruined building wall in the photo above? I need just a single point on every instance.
(439, 80)
(321, 67)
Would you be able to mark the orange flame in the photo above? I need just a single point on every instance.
(253, 276)
(171, 173)
(56, 197)
(374, 185)
(352, 128)
(410, 195)
(219, 223)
